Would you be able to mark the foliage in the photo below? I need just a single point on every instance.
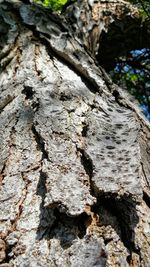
(143, 5)
(55, 5)
(133, 70)
(133, 73)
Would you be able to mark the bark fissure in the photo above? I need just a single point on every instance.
(86, 161)
(145, 176)
(5, 102)
(146, 198)
(45, 214)
(28, 91)
(73, 226)
(11, 145)
(67, 59)
(90, 83)
(8, 248)
(124, 210)
(40, 143)
(19, 207)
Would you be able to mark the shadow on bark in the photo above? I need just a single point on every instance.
(54, 224)
(61, 226)
(123, 209)
(118, 40)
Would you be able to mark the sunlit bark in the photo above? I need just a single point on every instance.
(74, 151)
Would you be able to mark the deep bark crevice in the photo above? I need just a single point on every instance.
(124, 209)
(119, 99)
(72, 228)
(43, 229)
(146, 199)
(28, 91)
(11, 248)
(85, 129)
(86, 162)
(40, 143)
(8, 251)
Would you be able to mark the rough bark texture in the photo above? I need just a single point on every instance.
(74, 152)
(110, 29)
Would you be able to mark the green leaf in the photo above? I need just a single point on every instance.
(55, 5)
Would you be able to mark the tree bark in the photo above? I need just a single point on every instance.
(75, 151)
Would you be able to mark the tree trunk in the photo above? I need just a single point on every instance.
(74, 152)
